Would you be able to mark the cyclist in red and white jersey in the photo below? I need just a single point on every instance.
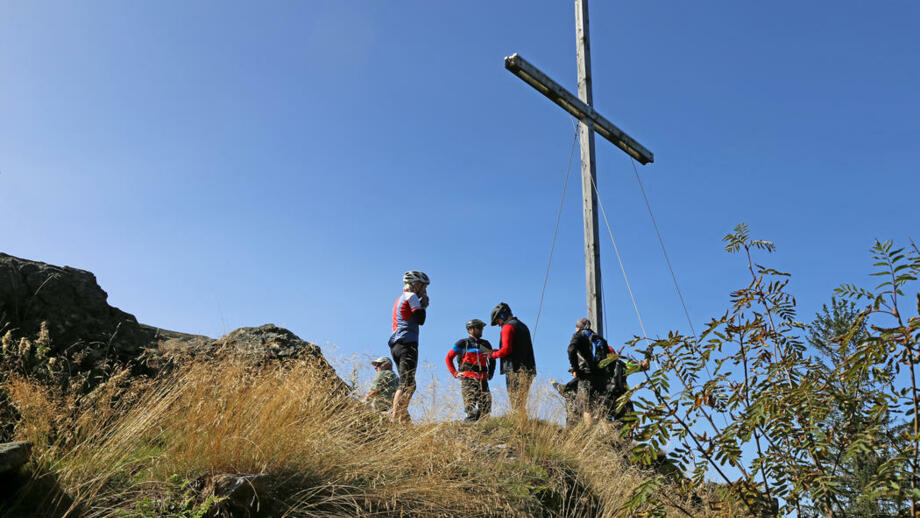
(408, 313)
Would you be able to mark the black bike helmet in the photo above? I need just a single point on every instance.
(475, 323)
(500, 311)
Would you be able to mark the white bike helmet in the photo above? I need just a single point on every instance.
(415, 276)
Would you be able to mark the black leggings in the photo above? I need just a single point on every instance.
(405, 356)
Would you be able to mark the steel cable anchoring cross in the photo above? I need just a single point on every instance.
(565, 184)
(581, 107)
(616, 251)
(667, 260)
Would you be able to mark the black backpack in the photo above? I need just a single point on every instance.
(613, 369)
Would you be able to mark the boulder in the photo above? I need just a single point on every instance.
(269, 342)
(260, 345)
(13, 455)
(240, 495)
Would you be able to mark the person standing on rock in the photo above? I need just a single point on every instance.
(516, 353)
(475, 369)
(408, 314)
(383, 386)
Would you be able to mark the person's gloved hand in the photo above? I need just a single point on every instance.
(423, 300)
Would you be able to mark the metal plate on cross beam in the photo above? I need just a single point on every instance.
(578, 108)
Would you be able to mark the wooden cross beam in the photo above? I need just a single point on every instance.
(591, 122)
(579, 109)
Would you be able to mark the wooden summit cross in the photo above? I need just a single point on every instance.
(582, 108)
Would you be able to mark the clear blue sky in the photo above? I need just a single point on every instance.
(222, 164)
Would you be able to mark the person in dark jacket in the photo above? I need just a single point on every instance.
(597, 400)
(583, 369)
(475, 369)
(516, 354)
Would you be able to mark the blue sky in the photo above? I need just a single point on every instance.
(222, 164)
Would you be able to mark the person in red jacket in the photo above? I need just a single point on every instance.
(475, 369)
(516, 354)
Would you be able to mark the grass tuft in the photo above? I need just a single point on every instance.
(136, 447)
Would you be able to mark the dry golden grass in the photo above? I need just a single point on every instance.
(133, 447)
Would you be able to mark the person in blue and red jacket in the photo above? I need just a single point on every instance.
(475, 369)
(516, 353)
(408, 313)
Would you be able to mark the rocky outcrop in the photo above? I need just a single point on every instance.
(87, 334)
(75, 308)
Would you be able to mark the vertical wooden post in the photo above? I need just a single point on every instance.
(588, 171)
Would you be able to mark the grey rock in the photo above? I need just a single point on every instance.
(13, 455)
(241, 489)
(269, 341)
(73, 305)
(89, 333)
(259, 345)
(241, 495)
